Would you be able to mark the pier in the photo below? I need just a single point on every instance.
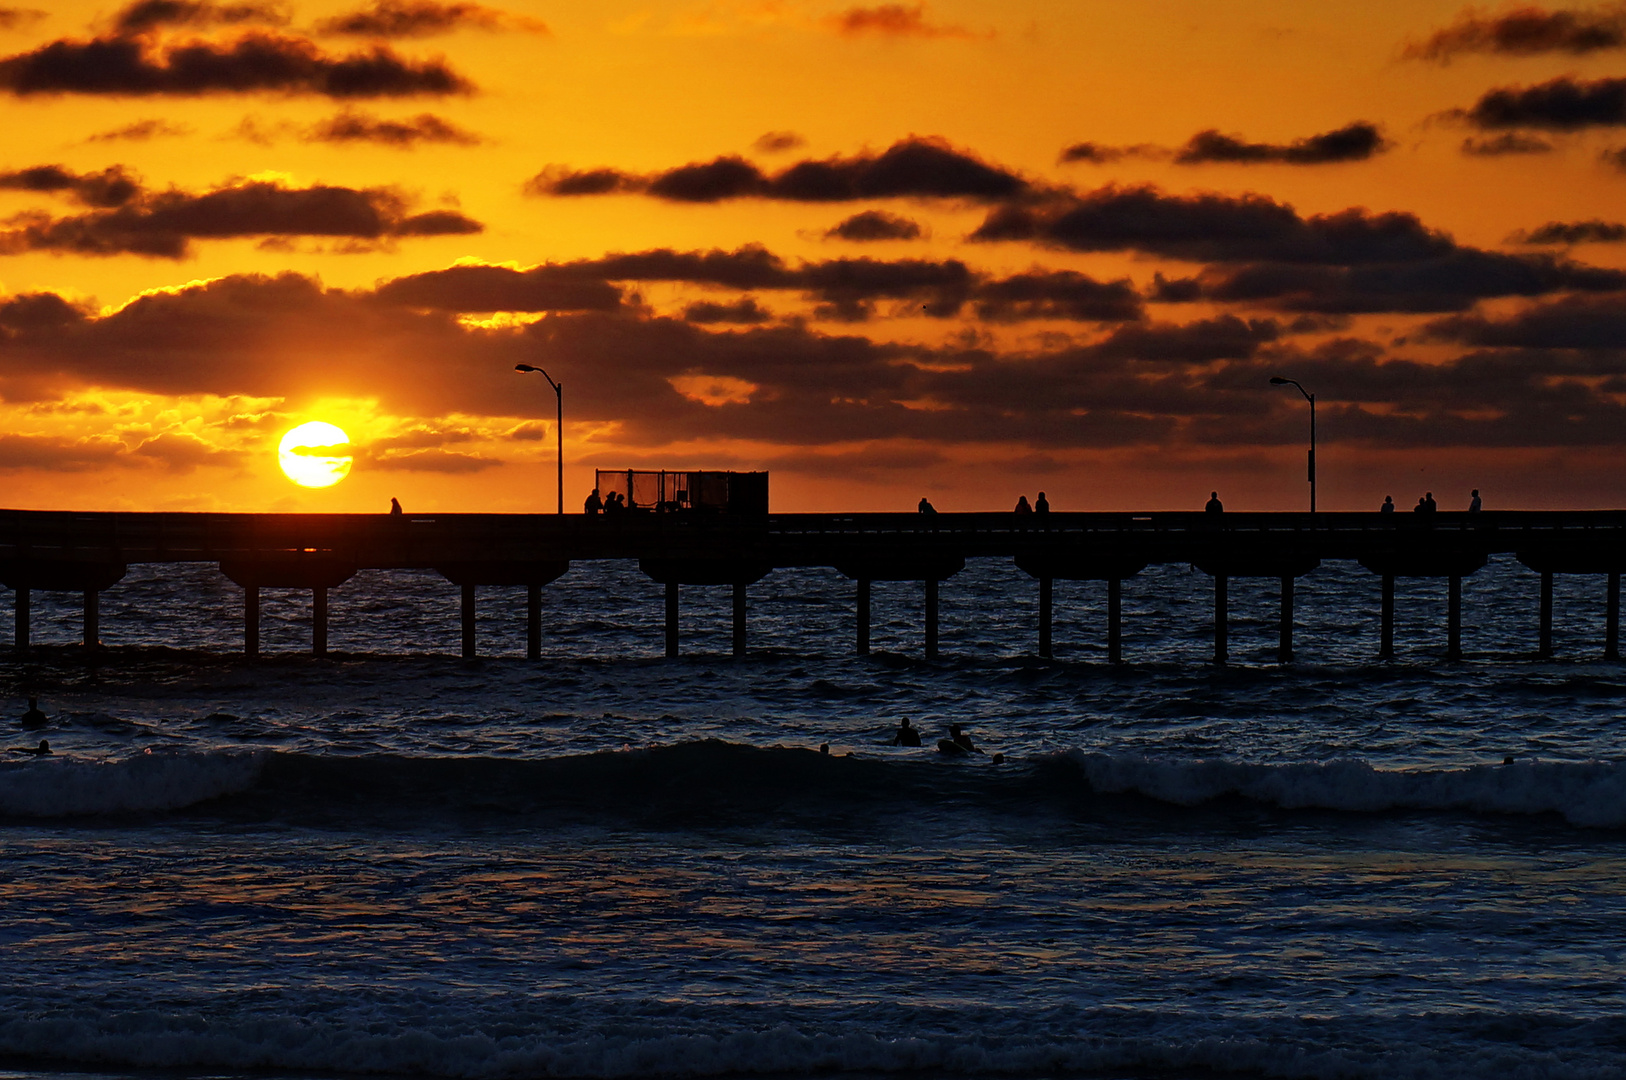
(87, 553)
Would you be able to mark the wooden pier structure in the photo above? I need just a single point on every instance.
(88, 553)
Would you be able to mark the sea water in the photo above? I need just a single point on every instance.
(611, 864)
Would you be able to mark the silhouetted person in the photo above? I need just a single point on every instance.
(926, 507)
(1022, 506)
(1388, 506)
(1473, 505)
(33, 719)
(395, 507)
(612, 505)
(1213, 505)
(906, 735)
(1421, 507)
(594, 504)
(958, 743)
(42, 750)
(1041, 505)
(1429, 505)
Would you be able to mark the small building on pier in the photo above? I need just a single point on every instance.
(667, 491)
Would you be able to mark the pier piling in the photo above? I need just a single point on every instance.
(739, 619)
(533, 622)
(671, 618)
(1222, 652)
(20, 625)
(1453, 618)
(1611, 618)
(861, 607)
(1386, 632)
(93, 619)
(470, 648)
(931, 618)
(251, 621)
(1115, 606)
(1284, 647)
(1044, 617)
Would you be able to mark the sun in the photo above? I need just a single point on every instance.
(315, 455)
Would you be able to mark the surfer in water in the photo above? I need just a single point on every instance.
(33, 719)
(906, 735)
(958, 743)
(42, 750)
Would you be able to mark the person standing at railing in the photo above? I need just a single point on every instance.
(925, 506)
(1022, 506)
(1473, 507)
(1041, 505)
(1388, 506)
(1213, 506)
(594, 504)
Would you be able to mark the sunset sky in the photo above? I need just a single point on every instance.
(962, 249)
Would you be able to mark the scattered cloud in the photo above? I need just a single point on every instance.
(141, 131)
(111, 187)
(1057, 294)
(912, 168)
(15, 18)
(1096, 153)
(745, 312)
(1562, 104)
(425, 18)
(1572, 322)
(777, 142)
(163, 224)
(1575, 232)
(1615, 157)
(353, 126)
(1509, 142)
(145, 16)
(258, 62)
(896, 21)
(1525, 31)
(1353, 142)
(873, 225)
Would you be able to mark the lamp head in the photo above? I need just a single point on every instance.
(1277, 380)
(525, 367)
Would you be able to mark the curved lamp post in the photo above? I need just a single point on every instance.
(1277, 380)
(559, 426)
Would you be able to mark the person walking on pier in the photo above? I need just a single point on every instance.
(1473, 506)
(1022, 506)
(1213, 506)
(1388, 506)
(926, 507)
(1041, 505)
(594, 504)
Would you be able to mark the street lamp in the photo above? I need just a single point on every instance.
(559, 395)
(1277, 380)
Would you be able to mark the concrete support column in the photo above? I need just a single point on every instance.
(1386, 634)
(1044, 617)
(931, 620)
(739, 619)
(1453, 619)
(1222, 651)
(1611, 619)
(862, 607)
(1284, 647)
(319, 621)
(533, 622)
(20, 631)
(1544, 648)
(93, 619)
(251, 621)
(671, 618)
(1115, 608)
(470, 650)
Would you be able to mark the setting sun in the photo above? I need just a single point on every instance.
(315, 455)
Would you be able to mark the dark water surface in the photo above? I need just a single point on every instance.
(610, 864)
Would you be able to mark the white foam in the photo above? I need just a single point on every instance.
(1585, 793)
(66, 787)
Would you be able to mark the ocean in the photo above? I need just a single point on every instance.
(606, 863)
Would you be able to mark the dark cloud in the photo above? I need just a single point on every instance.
(144, 16)
(1571, 322)
(141, 131)
(1094, 153)
(1353, 142)
(1615, 157)
(1562, 104)
(58, 455)
(109, 188)
(1575, 232)
(1509, 142)
(1209, 227)
(1224, 337)
(255, 63)
(912, 168)
(745, 312)
(499, 288)
(893, 20)
(162, 224)
(1057, 294)
(352, 126)
(11, 18)
(1525, 31)
(870, 225)
(181, 452)
(31, 313)
(777, 142)
(424, 18)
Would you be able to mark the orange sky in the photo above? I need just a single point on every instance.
(221, 219)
